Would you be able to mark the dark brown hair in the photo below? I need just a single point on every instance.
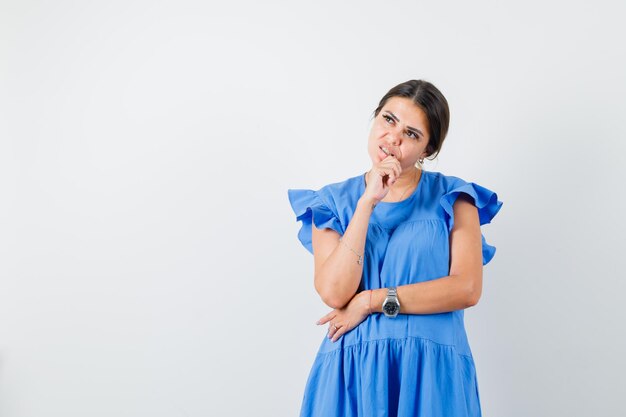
(427, 97)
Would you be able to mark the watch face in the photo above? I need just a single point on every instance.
(391, 308)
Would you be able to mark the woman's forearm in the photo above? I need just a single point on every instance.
(439, 295)
(340, 275)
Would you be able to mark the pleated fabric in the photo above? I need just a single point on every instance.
(413, 364)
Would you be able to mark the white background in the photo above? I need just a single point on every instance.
(149, 264)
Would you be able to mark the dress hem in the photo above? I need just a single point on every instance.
(358, 344)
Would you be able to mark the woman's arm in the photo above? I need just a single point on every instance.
(459, 290)
(439, 295)
(337, 273)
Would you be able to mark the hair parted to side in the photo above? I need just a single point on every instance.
(432, 102)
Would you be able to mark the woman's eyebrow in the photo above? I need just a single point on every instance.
(408, 127)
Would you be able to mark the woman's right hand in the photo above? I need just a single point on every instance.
(380, 178)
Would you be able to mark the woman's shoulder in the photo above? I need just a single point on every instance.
(486, 199)
(449, 183)
(443, 181)
(345, 184)
(335, 194)
(342, 192)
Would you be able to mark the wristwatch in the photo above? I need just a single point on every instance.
(391, 305)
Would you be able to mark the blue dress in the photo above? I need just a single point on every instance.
(413, 364)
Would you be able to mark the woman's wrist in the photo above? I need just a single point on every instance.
(368, 203)
(364, 298)
(367, 300)
(378, 296)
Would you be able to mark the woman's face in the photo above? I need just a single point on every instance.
(403, 124)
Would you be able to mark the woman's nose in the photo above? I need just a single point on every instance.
(392, 139)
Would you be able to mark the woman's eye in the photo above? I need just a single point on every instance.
(389, 119)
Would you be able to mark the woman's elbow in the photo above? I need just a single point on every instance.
(331, 297)
(473, 296)
(334, 301)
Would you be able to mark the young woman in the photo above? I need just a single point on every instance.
(398, 255)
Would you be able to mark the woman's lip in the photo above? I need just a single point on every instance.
(383, 151)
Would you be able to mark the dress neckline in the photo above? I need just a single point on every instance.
(395, 203)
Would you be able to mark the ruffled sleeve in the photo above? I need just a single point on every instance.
(309, 206)
(488, 206)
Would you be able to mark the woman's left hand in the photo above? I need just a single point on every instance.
(348, 317)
